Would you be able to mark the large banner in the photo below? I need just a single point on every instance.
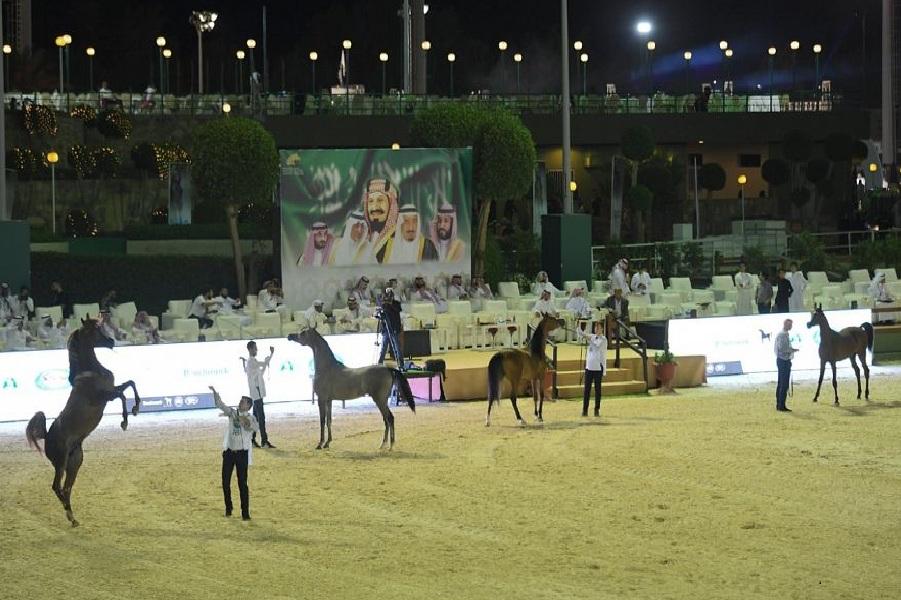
(172, 376)
(735, 345)
(379, 213)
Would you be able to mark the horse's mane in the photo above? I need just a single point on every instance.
(324, 348)
(537, 341)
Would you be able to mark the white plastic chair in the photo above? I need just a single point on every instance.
(229, 327)
(183, 330)
(55, 312)
(124, 314)
(681, 285)
(265, 325)
(83, 311)
(509, 291)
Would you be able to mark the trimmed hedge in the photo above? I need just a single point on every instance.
(196, 231)
(151, 281)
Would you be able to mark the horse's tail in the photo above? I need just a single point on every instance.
(495, 374)
(403, 388)
(869, 329)
(36, 430)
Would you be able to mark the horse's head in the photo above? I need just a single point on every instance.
(817, 317)
(549, 323)
(90, 336)
(304, 337)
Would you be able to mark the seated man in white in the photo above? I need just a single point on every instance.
(50, 334)
(423, 294)
(544, 306)
(744, 283)
(352, 321)
(110, 329)
(641, 282)
(578, 305)
(225, 304)
(316, 318)
(361, 292)
(542, 283)
(456, 291)
(17, 337)
(270, 297)
(399, 294)
(479, 291)
(203, 308)
(878, 291)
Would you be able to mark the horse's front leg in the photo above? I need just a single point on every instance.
(856, 374)
(834, 382)
(321, 405)
(866, 373)
(328, 423)
(137, 407)
(820, 382)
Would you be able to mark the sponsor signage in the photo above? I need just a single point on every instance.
(172, 376)
(736, 345)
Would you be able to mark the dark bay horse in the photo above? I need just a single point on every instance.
(333, 381)
(516, 365)
(92, 387)
(850, 342)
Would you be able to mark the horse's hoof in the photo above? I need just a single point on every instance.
(539, 419)
(123, 425)
(835, 403)
(319, 447)
(814, 399)
(74, 523)
(522, 422)
(487, 423)
(134, 410)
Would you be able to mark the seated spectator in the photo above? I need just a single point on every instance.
(59, 297)
(147, 100)
(52, 335)
(641, 282)
(225, 304)
(317, 319)
(542, 283)
(578, 305)
(544, 306)
(23, 305)
(143, 328)
(361, 292)
(110, 329)
(456, 291)
(479, 291)
(878, 291)
(352, 320)
(17, 337)
(106, 97)
(399, 294)
(618, 305)
(270, 297)
(421, 293)
(200, 309)
(109, 301)
(6, 307)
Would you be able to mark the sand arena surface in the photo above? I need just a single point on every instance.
(708, 494)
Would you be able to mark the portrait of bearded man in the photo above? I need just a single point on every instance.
(443, 232)
(318, 249)
(380, 209)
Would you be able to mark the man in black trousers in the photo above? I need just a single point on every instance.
(392, 329)
(236, 450)
(783, 293)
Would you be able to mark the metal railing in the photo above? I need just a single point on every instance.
(298, 103)
(641, 348)
(843, 242)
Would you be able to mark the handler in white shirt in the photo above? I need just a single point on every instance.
(236, 451)
(744, 284)
(595, 365)
(254, 370)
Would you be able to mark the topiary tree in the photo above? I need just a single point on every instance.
(775, 172)
(638, 145)
(816, 172)
(711, 177)
(503, 157)
(234, 163)
(797, 146)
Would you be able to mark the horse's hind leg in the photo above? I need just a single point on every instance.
(866, 374)
(820, 382)
(388, 419)
(856, 373)
(834, 382)
(72, 467)
(519, 418)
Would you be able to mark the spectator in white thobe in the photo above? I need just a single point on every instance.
(618, 277)
(544, 306)
(578, 305)
(316, 319)
(641, 282)
(479, 291)
(799, 284)
(456, 291)
(542, 283)
(354, 319)
(51, 335)
(744, 283)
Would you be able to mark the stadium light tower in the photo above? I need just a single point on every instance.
(203, 21)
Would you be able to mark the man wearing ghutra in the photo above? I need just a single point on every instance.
(380, 210)
(350, 249)
(409, 245)
(319, 246)
(443, 232)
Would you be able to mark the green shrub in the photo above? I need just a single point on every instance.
(80, 224)
(809, 252)
(114, 124)
(27, 163)
(692, 257)
(39, 119)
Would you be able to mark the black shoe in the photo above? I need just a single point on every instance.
(228, 512)
(597, 413)
(245, 517)
(783, 409)
(268, 444)
(255, 444)
(584, 413)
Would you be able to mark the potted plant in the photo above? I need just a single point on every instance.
(666, 368)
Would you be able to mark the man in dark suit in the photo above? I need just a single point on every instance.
(783, 293)
(618, 305)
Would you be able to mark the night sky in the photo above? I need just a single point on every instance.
(123, 33)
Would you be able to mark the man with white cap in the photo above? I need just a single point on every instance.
(618, 277)
(317, 319)
(443, 233)
(351, 248)
(318, 249)
(409, 245)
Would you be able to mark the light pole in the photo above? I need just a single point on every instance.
(577, 46)
(724, 45)
(502, 47)
(167, 56)
(652, 45)
(68, 40)
(239, 59)
(347, 45)
(90, 52)
(687, 56)
(451, 59)
(251, 44)
(383, 58)
(644, 29)
(794, 45)
(426, 45)
(53, 158)
(583, 58)
(817, 48)
(314, 56)
(742, 180)
(7, 50)
(728, 55)
(772, 53)
(203, 21)
(517, 58)
(61, 43)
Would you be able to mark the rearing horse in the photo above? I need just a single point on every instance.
(516, 365)
(333, 381)
(850, 342)
(92, 387)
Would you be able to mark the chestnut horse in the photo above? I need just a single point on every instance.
(850, 342)
(515, 365)
(92, 387)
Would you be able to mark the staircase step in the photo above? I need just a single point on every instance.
(613, 388)
(573, 377)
